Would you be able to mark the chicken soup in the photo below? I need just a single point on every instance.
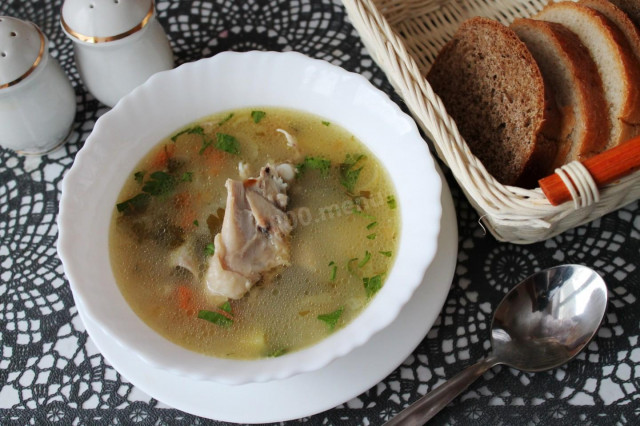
(254, 233)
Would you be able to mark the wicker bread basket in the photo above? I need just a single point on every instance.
(404, 37)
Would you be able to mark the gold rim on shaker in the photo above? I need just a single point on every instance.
(33, 67)
(96, 40)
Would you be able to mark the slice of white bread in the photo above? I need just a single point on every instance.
(631, 8)
(492, 87)
(620, 19)
(617, 65)
(572, 76)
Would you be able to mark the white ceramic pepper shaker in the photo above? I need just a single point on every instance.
(37, 102)
(118, 44)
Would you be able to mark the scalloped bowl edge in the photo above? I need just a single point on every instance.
(172, 99)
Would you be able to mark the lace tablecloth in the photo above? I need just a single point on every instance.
(51, 372)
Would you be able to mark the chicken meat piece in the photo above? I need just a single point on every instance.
(254, 238)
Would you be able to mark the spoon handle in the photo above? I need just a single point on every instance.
(421, 411)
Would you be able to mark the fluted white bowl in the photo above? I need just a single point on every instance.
(172, 99)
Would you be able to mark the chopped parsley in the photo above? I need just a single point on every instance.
(326, 123)
(160, 184)
(348, 174)
(277, 353)
(363, 214)
(216, 317)
(139, 176)
(196, 223)
(367, 257)
(223, 142)
(197, 130)
(226, 306)
(210, 249)
(371, 225)
(331, 319)
(224, 120)
(227, 143)
(206, 143)
(134, 204)
(334, 270)
(257, 116)
(385, 253)
(372, 284)
(187, 177)
(371, 236)
(315, 163)
(391, 202)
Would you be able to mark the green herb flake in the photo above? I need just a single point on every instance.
(352, 159)
(216, 318)
(224, 120)
(210, 249)
(197, 130)
(371, 236)
(385, 253)
(349, 175)
(227, 143)
(277, 353)
(133, 204)
(391, 202)
(334, 270)
(363, 214)
(257, 116)
(187, 177)
(139, 176)
(367, 257)
(226, 306)
(159, 184)
(196, 223)
(326, 123)
(315, 163)
(372, 225)
(331, 319)
(348, 178)
(206, 143)
(372, 284)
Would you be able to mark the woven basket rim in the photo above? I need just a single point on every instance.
(511, 213)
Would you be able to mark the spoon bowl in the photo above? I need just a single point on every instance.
(548, 318)
(542, 323)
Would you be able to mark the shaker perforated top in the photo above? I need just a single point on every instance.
(22, 47)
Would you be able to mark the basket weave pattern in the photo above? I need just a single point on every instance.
(404, 37)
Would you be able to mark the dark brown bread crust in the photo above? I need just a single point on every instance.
(620, 19)
(616, 61)
(631, 8)
(493, 89)
(572, 76)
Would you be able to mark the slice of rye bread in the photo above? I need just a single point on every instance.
(621, 19)
(617, 65)
(572, 77)
(492, 87)
(630, 7)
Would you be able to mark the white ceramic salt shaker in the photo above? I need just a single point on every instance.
(37, 102)
(118, 44)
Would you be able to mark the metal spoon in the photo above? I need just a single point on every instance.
(542, 323)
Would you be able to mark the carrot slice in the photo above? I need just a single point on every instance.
(187, 214)
(161, 159)
(213, 159)
(185, 299)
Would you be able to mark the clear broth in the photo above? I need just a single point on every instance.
(341, 238)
